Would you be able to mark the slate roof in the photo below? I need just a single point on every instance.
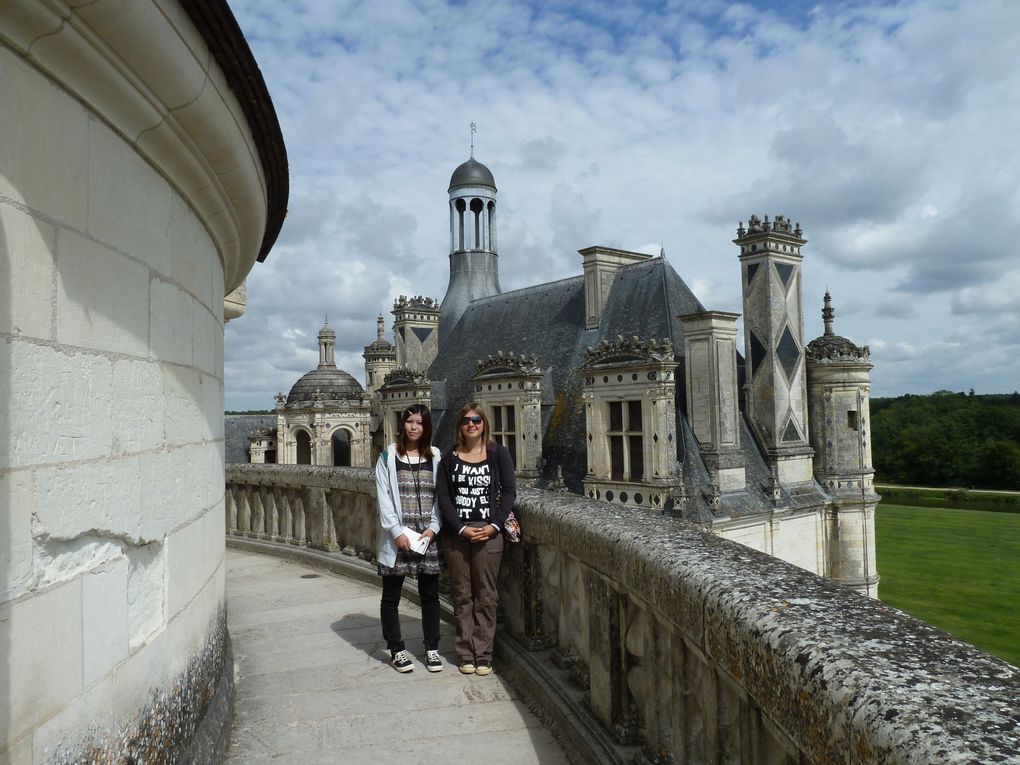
(548, 321)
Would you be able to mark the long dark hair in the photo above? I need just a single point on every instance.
(474, 406)
(425, 442)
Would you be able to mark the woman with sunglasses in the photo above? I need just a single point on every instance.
(476, 487)
(405, 487)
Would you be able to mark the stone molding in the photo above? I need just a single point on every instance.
(685, 645)
(178, 110)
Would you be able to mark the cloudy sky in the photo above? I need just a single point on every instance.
(889, 130)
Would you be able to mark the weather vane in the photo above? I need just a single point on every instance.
(474, 129)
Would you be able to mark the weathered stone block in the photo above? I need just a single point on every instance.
(99, 499)
(41, 154)
(41, 640)
(62, 384)
(129, 202)
(27, 249)
(137, 410)
(104, 619)
(17, 503)
(101, 297)
(191, 268)
(171, 339)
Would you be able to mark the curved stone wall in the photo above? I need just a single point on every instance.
(645, 636)
(132, 197)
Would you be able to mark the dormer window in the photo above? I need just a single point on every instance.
(626, 444)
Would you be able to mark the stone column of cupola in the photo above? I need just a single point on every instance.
(474, 269)
(327, 344)
(770, 257)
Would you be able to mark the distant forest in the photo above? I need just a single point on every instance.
(250, 411)
(947, 439)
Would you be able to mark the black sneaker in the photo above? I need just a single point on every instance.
(401, 661)
(432, 661)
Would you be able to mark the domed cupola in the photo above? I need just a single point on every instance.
(325, 386)
(832, 347)
(474, 270)
(472, 173)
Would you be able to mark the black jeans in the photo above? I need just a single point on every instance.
(428, 592)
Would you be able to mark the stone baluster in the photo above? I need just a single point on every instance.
(258, 513)
(231, 509)
(272, 514)
(286, 511)
(243, 511)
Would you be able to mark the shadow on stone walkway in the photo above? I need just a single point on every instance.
(314, 686)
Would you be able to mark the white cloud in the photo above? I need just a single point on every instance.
(886, 130)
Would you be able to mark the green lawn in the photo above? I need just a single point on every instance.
(956, 569)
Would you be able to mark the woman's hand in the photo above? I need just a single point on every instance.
(429, 533)
(482, 534)
(402, 542)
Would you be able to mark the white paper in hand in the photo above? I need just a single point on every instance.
(419, 542)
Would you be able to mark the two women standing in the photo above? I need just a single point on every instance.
(474, 488)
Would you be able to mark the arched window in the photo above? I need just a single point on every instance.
(461, 207)
(476, 208)
(341, 448)
(492, 227)
(304, 447)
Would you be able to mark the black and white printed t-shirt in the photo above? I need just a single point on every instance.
(471, 490)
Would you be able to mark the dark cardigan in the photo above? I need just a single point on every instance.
(502, 490)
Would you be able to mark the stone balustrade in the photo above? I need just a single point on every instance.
(647, 638)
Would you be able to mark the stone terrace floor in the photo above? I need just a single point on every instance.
(313, 682)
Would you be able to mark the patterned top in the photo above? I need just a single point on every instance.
(417, 495)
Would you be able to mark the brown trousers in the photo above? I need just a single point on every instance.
(474, 570)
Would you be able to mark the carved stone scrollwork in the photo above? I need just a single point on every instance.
(417, 302)
(631, 349)
(508, 363)
(406, 377)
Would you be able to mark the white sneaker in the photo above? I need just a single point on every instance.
(432, 661)
(401, 661)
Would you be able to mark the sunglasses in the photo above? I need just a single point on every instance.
(473, 419)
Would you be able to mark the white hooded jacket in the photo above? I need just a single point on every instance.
(388, 496)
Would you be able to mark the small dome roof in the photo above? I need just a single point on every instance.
(472, 173)
(324, 386)
(836, 347)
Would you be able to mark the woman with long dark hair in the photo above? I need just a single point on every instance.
(405, 487)
(476, 487)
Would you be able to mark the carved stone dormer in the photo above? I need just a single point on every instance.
(629, 390)
(509, 386)
(400, 388)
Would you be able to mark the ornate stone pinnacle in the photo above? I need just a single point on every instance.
(713, 497)
(417, 302)
(827, 313)
(280, 399)
(773, 488)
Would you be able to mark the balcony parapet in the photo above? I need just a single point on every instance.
(644, 636)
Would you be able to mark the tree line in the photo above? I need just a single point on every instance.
(947, 439)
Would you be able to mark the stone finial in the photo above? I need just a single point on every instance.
(713, 498)
(827, 314)
(558, 483)
(629, 349)
(280, 400)
(380, 328)
(773, 488)
(677, 490)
